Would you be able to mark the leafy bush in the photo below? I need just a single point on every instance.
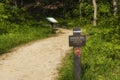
(100, 58)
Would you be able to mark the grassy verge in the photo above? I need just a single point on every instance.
(16, 34)
(66, 69)
(100, 59)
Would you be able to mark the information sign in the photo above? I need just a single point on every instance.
(77, 41)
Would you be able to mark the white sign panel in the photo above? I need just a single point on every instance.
(52, 20)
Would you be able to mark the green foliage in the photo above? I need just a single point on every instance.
(20, 36)
(2, 12)
(87, 10)
(100, 59)
(66, 72)
(17, 26)
(104, 8)
(5, 1)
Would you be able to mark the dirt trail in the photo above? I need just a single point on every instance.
(36, 61)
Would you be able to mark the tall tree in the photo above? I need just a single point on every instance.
(37, 2)
(115, 2)
(80, 8)
(95, 13)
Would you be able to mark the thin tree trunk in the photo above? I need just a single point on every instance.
(95, 13)
(64, 10)
(115, 6)
(14, 2)
(80, 1)
(21, 2)
(37, 2)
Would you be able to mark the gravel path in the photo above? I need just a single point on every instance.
(36, 61)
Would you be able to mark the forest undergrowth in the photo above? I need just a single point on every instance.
(100, 56)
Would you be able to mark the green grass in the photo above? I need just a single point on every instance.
(18, 35)
(100, 59)
(66, 69)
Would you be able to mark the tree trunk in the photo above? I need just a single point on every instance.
(95, 13)
(14, 2)
(37, 2)
(22, 3)
(115, 6)
(80, 1)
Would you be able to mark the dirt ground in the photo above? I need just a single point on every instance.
(38, 60)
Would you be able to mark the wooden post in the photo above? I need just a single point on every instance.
(77, 40)
(77, 63)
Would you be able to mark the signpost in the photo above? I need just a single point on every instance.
(77, 40)
(52, 21)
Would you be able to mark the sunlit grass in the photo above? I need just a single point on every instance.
(10, 40)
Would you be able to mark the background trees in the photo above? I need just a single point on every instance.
(85, 11)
